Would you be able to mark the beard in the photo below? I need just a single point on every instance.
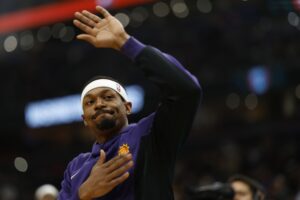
(106, 124)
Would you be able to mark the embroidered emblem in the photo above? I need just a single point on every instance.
(123, 149)
(118, 88)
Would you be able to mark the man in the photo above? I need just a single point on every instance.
(130, 161)
(246, 188)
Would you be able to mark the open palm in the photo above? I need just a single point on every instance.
(103, 32)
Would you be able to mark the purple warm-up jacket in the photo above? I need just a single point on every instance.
(154, 141)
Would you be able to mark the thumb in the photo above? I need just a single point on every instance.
(88, 38)
(102, 157)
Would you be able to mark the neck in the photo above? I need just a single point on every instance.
(103, 136)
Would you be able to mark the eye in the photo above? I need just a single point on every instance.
(89, 102)
(109, 97)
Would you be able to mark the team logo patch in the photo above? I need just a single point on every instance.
(123, 149)
(118, 88)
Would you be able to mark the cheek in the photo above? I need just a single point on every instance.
(87, 115)
(124, 110)
(121, 113)
(119, 107)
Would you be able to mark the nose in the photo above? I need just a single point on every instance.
(99, 103)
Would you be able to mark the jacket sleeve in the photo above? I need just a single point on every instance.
(66, 192)
(181, 94)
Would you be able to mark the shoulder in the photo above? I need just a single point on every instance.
(144, 125)
(146, 121)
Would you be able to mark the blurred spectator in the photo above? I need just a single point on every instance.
(8, 192)
(246, 188)
(46, 192)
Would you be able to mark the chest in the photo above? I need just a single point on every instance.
(121, 145)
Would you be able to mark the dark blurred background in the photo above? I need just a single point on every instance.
(245, 54)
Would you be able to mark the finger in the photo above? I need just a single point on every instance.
(102, 157)
(91, 16)
(84, 19)
(114, 159)
(119, 180)
(103, 11)
(90, 39)
(83, 27)
(119, 171)
(118, 164)
(118, 161)
(118, 157)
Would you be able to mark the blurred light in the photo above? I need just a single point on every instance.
(136, 95)
(251, 101)
(67, 34)
(180, 9)
(135, 20)
(21, 164)
(26, 40)
(10, 43)
(161, 9)
(50, 12)
(297, 91)
(56, 30)
(296, 4)
(8, 192)
(68, 109)
(138, 16)
(233, 101)
(53, 111)
(258, 80)
(288, 105)
(44, 34)
(123, 18)
(104, 3)
(204, 6)
(143, 12)
(293, 19)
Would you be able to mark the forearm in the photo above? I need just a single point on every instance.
(171, 77)
(181, 94)
(162, 69)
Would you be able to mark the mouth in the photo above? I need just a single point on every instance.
(101, 112)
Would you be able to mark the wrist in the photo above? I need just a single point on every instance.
(83, 192)
(121, 40)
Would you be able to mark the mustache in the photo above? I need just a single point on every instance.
(101, 111)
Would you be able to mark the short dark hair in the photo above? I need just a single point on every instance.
(254, 185)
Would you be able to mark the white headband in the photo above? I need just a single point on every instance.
(104, 83)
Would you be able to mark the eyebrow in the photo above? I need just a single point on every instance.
(88, 96)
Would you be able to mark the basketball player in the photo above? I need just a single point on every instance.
(130, 161)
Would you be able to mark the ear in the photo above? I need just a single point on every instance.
(128, 107)
(84, 121)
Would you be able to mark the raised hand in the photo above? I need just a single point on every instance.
(105, 176)
(106, 32)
